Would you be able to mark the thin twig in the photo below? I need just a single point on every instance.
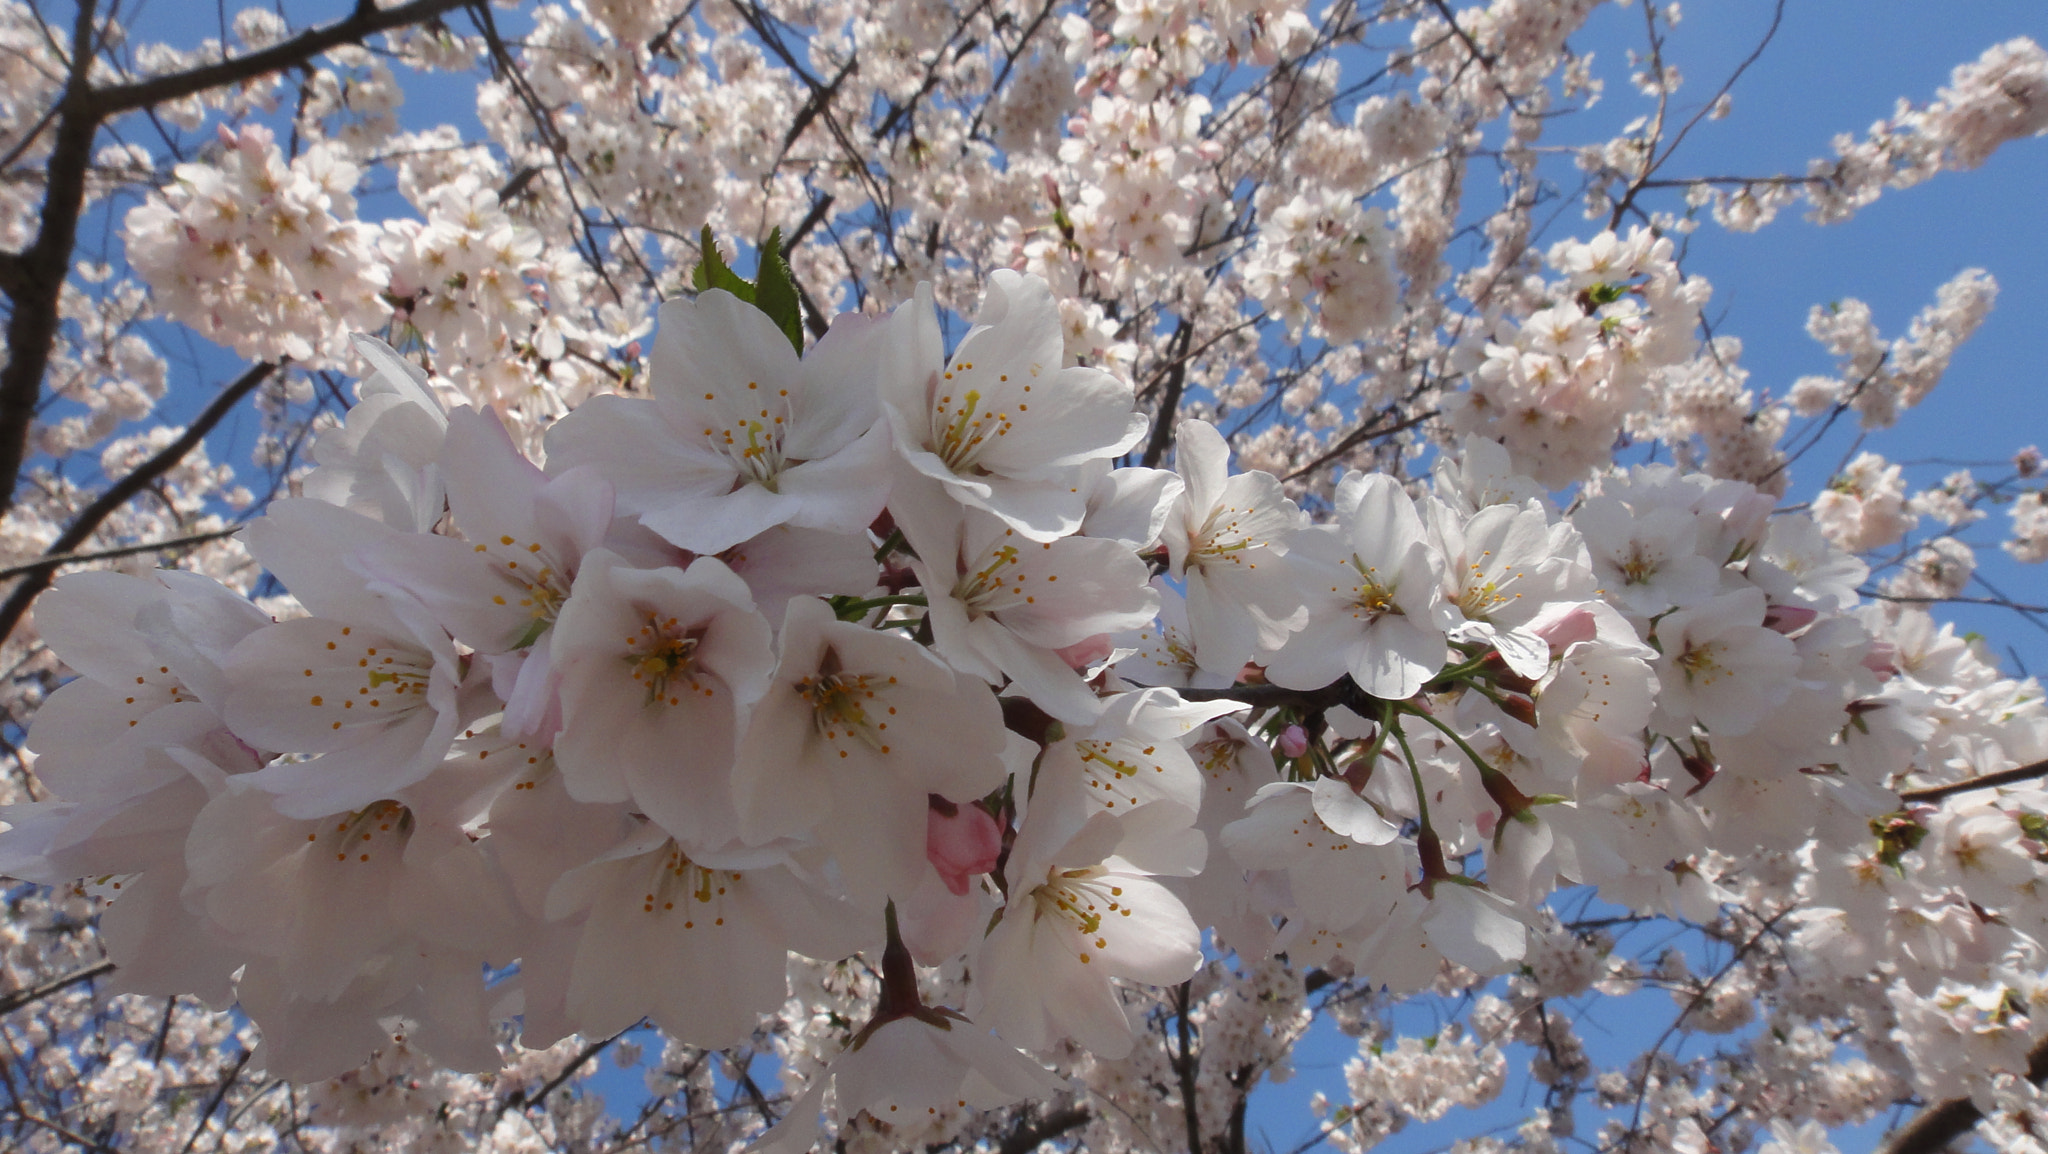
(83, 526)
(220, 1093)
(524, 1100)
(123, 551)
(20, 998)
(1981, 781)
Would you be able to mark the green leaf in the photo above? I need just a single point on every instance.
(775, 291)
(712, 272)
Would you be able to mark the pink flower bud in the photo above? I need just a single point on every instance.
(1789, 618)
(1882, 658)
(1085, 652)
(961, 844)
(1569, 629)
(1293, 741)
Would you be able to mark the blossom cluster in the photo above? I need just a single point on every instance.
(873, 648)
(1243, 212)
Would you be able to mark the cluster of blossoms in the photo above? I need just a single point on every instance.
(822, 721)
(873, 649)
(1998, 97)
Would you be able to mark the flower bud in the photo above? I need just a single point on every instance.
(961, 843)
(1293, 741)
(1568, 630)
(1789, 619)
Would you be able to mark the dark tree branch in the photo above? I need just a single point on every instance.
(33, 994)
(145, 474)
(123, 551)
(1981, 781)
(366, 20)
(1184, 1065)
(523, 1100)
(34, 279)
(1935, 1127)
(1176, 380)
(220, 1094)
(1356, 438)
(1029, 1138)
(41, 269)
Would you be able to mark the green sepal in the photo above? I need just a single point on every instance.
(534, 629)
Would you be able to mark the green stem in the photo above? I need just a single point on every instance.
(1408, 755)
(890, 544)
(1481, 763)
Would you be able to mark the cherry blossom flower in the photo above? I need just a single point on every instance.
(656, 663)
(741, 435)
(1002, 425)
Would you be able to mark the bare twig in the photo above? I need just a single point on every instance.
(33, 994)
(1981, 781)
(1028, 1138)
(123, 551)
(220, 1094)
(523, 1099)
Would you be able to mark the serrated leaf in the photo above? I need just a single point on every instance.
(775, 291)
(713, 273)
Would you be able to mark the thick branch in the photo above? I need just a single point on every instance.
(1935, 1127)
(37, 280)
(116, 496)
(1184, 1067)
(1176, 380)
(365, 20)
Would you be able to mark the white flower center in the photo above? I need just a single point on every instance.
(536, 579)
(1370, 600)
(1702, 663)
(394, 683)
